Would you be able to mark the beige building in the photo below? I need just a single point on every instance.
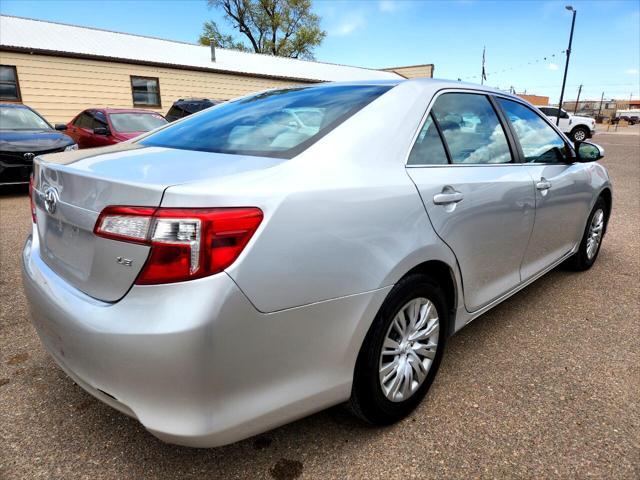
(414, 71)
(537, 100)
(60, 70)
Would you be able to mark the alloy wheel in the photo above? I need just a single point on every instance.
(408, 349)
(594, 236)
(579, 136)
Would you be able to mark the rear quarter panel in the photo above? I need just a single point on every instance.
(341, 218)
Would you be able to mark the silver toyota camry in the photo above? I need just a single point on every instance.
(295, 249)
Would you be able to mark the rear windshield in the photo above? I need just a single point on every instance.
(136, 122)
(278, 123)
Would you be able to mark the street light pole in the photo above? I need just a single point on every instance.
(566, 66)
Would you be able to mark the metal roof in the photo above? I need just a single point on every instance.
(48, 37)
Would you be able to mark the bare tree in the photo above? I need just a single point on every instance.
(286, 28)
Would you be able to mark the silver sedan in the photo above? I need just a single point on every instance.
(295, 249)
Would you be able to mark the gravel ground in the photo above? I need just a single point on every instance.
(545, 385)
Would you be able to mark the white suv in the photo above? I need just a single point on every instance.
(576, 128)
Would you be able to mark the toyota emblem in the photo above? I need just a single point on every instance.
(51, 198)
(29, 156)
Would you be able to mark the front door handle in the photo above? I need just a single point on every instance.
(543, 184)
(447, 197)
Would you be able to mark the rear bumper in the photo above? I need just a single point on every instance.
(195, 362)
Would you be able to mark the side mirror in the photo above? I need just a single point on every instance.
(101, 131)
(60, 126)
(589, 152)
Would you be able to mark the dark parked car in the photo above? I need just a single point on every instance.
(98, 127)
(186, 106)
(24, 134)
(633, 119)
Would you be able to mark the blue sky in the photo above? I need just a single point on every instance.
(524, 39)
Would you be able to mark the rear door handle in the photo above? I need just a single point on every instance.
(543, 184)
(447, 197)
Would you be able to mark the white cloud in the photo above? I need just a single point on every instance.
(552, 66)
(631, 71)
(350, 24)
(387, 6)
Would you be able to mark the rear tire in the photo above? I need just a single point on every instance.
(579, 134)
(587, 253)
(381, 402)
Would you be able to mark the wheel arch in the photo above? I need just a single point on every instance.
(607, 196)
(444, 275)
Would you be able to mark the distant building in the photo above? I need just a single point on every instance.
(607, 108)
(413, 71)
(537, 100)
(61, 69)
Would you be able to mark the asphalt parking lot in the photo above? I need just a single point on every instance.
(545, 385)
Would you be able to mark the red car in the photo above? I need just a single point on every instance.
(97, 127)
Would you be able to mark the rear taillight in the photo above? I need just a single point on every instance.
(33, 205)
(185, 243)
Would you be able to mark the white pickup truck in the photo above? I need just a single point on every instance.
(576, 128)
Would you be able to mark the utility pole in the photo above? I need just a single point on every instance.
(600, 107)
(566, 66)
(575, 108)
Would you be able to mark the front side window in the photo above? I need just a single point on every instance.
(136, 122)
(12, 118)
(146, 92)
(100, 119)
(9, 88)
(428, 149)
(270, 123)
(540, 143)
(471, 128)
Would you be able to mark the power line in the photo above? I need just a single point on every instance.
(543, 59)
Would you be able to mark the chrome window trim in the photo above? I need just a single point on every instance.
(487, 93)
(545, 119)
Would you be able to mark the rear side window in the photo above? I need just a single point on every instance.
(428, 149)
(176, 112)
(268, 124)
(471, 128)
(540, 143)
(84, 120)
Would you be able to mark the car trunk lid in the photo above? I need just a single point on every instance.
(71, 189)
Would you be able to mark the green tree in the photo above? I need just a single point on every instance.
(286, 28)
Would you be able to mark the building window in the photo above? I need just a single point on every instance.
(146, 92)
(9, 87)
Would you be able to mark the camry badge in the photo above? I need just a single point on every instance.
(51, 198)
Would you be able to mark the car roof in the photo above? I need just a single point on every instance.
(432, 84)
(15, 105)
(194, 100)
(123, 110)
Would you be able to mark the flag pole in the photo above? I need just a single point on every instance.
(483, 75)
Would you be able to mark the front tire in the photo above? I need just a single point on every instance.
(579, 134)
(401, 353)
(592, 238)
